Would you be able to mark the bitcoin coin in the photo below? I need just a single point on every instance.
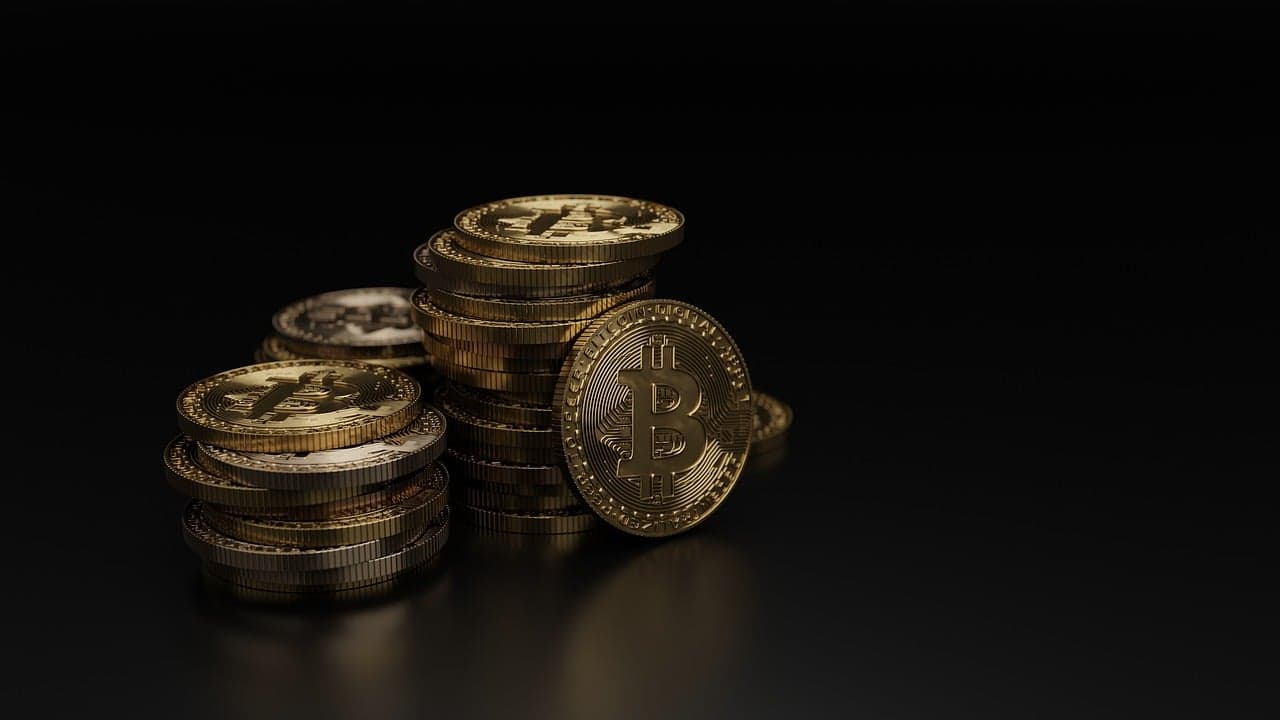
(420, 502)
(273, 348)
(350, 324)
(441, 323)
(430, 276)
(405, 451)
(454, 261)
(444, 353)
(535, 387)
(477, 431)
(770, 422)
(570, 228)
(298, 405)
(655, 416)
(510, 476)
(491, 407)
(425, 546)
(216, 547)
(545, 522)
(488, 500)
(578, 307)
(355, 592)
(544, 351)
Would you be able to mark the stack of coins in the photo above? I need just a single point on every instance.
(310, 476)
(507, 290)
(370, 324)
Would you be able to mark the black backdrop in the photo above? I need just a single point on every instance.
(1013, 266)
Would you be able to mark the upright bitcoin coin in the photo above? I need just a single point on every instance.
(655, 416)
(569, 228)
(350, 324)
(298, 405)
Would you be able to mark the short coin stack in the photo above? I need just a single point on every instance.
(310, 476)
(370, 324)
(507, 290)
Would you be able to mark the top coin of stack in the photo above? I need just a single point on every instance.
(507, 290)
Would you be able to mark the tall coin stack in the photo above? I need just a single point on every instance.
(316, 477)
(370, 324)
(507, 290)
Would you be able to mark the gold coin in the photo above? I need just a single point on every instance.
(407, 513)
(357, 591)
(298, 405)
(542, 351)
(655, 416)
(424, 267)
(504, 474)
(443, 352)
(770, 422)
(454, 261)
(405, 451)
(350, 324)
(537, 387)
(442, 323)
(424, 547)
(488, 500)
(471, 430)
(516, 309)
(216, 547)
(570, 228)
(273, 349)
(545, 522)
(491, 407)
(505, 453)
(185, 474)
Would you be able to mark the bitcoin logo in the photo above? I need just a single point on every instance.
(367, 319)
(577, 217)
(309, 393)
(667, 439)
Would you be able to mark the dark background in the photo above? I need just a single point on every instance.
(1013, 265)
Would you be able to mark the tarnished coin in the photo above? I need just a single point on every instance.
(350, 324)
(655, 416)
(570, 228)
(488, 500)
(545, 522)
(454, 261)
(273, 348)
(405, 451)
(298, 405)
(444, 352)
(417, 553)
(420, 501)
(508, 475)
(492, 407)
(216, 547)
(770, 422)
(577, 307)
(442, 323)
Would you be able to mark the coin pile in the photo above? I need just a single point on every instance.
(507, 290)
(370, 324)
(310, 476)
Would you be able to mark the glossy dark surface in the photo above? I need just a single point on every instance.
(1039, 488)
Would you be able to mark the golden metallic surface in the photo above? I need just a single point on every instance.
(357, 591)
(273, 349)
(543, 351)
(184, 472)
(487, 406)
(454, 261)
(770, 422)
(444, 324)
(504, 474)
(350, 324)
(489, 500)
(570, 228)
(424, 547)
(546, 522)
(535, 387)
(442, 351)
(418, 504)
(505, 453)
(424, 267)
(405, 451)
(655, 416)
(215, 547)
(298, 405)
(471, 430)
(517, 309)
